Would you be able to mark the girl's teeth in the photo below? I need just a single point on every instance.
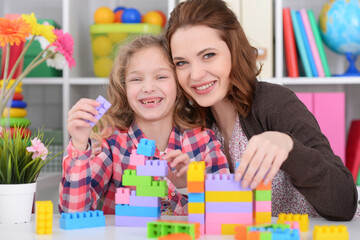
(151, 101)
(205, 86)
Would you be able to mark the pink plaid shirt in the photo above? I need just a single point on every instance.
(93, 175)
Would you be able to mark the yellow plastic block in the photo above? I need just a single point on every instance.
(228, 196)
(303, 220)
(44, 217)
(228, 229)
(262, 217)
(196, 172)
(330, 232)
(194, 207)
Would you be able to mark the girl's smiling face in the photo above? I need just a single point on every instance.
(150, 85)
(203, 63)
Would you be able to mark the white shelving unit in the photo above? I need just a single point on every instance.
(53, 97)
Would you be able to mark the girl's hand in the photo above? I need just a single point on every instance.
(264, 155)
(180, 161)
(77, 125)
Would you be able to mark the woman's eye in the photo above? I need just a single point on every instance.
(180, 63)
(209, 55)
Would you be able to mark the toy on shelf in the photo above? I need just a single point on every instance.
(131, 15)
(87, 219)
(154, 17)
(104, 15)
(330, 232)
(44, 217)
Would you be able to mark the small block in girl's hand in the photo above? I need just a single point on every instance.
(104, 106)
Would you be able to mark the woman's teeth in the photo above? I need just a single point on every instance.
(205, 86)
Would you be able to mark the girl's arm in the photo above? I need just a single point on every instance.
(85, 178)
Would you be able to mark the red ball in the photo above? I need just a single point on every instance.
(118, 15)
(163, 17)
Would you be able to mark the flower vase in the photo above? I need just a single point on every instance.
(16, 202)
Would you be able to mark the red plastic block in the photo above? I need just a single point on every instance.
(122, 195)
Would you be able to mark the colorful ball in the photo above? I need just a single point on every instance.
(119, 8)
(153, 17)
(116, 37)
(163, 17)
(104, 15)
(102, 67)
(101, 46)
(118, 16)
(131, 15)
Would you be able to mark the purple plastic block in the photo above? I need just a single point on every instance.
(105, 105)
(136, 159)
(140, 201)
(158, 168)
(229, 207)
(127, 221)
(196, 217)
(223, 182)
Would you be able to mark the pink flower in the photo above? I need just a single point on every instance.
(38, 149)
(64, 44)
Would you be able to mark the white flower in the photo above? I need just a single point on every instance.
(58, 61)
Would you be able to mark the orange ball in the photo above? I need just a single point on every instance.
(104, 15)
(163, 16)
(118, 15)
(153, 17)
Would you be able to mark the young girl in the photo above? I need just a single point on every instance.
(146, 103)
(264, 127)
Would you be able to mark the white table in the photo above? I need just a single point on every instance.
(27, 231)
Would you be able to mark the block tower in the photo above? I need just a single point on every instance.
(262, 203)
(135, 208)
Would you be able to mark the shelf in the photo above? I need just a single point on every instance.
(88, 81)
(314, 81)
(43, 81)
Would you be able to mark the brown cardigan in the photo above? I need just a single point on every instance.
(315, 170)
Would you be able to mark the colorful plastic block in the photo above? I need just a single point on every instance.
(240, 232)
(228, 229)
(223, 182)
(197, 208)
(146, 147)
(130, 221)
(157, 189)
(44, 217)
(196, 172)
(228, 218)
(134, 211)
(303, 220)
(136, 159)
(262, 217)
(196, 197)
(130, 178)
(162, 228)
(196, 187)
(228, 196)
(229, 207)
(176, 236)
(157, 168)
(104, 106)
(196, 217)
(261, 186)
(262, 195)
(330, 232)
(78, 220)
(122, 196)
(144, 201)
(262, 206)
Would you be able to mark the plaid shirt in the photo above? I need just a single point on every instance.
(93, 175)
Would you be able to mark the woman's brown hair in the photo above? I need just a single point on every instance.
(215, 14)
(120, 115)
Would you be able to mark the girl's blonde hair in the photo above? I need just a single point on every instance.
(120, 115)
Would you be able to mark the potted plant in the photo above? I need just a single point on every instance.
(23, 156)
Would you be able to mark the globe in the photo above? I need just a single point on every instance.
(340, 30)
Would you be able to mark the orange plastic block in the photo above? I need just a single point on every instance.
(253, 235)
(240, 232)
(330, 232)
(261, 186)
(196, 187)
(44, 217)
(303, 219)
(176, 236)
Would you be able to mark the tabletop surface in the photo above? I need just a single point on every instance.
(27, 230)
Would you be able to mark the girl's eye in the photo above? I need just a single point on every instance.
(161, 77)
(135, 79)
(180, 63)
(209, 55)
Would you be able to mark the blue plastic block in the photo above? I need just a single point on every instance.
(196, 197)
(105, 105)
(134, 211)
(78, 220)
(281, 234)
(146, 147)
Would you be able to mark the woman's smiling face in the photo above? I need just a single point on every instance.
(203, 63)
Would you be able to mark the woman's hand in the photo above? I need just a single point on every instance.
(77, 124)
(180, 161)
(264, 155)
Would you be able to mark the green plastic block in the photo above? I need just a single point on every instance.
(157, 229)
(265, 235)
(157, 189)
(262, 195)
(131, 179)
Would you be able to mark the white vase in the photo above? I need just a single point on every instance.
(16, 202)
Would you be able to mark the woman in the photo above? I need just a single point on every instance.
(264, 127)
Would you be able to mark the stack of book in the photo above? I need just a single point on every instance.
(302, 37)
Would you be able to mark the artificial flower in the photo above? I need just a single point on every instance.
(38, 149)
(64, 44)
(57, 61)
(44, 30)
(13, 31)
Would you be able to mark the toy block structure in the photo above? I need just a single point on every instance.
(104, 106)
(262, 203)
(330, 232)
(196, 197)
(266, 232)
(302, 219)
(135, 208)
(87, 219)
(44, 217)
(161, 228)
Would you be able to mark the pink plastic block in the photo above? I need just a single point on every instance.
(262, 206)
(104, 106)
(223, 182)
(229, 218)
(293, 225)
(229, 207)
(127, 221)
(213, 229)
(140, 201)
(136, 159)
(122, 195)
(157, 168)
